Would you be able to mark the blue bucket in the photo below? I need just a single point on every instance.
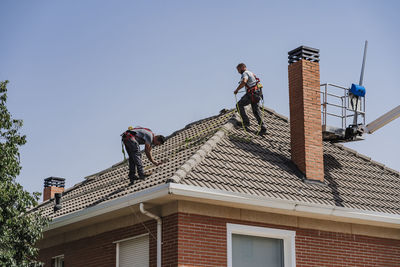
(357, 90)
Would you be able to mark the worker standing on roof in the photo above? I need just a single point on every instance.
(134, 137)
(252, 96)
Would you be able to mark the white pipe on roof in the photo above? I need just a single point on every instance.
(159, 229)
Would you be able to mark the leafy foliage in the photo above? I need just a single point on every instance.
(19, 229)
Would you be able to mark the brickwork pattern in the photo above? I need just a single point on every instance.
(202, 242)
(100, 251)
(48, 192)
(196, 240)
(305, 118)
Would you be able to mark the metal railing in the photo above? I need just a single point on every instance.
(340, 107)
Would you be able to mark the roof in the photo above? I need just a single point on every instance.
(211, 153)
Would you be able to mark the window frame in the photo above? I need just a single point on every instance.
(288, 237)
(56, 259)
(122, 240)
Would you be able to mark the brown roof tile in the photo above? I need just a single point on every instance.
(245, 163)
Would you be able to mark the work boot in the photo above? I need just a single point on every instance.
(245, 126)
(132, 179)
(146, 174)
(262, 132)
(239, 123)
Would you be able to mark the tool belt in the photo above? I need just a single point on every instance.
(255, 91)
(128, 135)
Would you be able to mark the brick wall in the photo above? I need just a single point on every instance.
(201, 241)
(99, 251)
(305, 118)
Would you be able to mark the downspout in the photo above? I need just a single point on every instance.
(159, 224)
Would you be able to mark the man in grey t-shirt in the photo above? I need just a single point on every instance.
(252, 97)
(134, 137)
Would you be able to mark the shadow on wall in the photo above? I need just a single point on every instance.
(330, 163)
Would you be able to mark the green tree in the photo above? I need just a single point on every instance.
(19, 229)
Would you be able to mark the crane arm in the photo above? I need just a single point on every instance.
(383, 120)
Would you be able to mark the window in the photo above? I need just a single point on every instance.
(260, 247)
(57, 261)
(133, 252)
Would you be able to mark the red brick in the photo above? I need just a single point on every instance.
(305, 119)
(195, 240)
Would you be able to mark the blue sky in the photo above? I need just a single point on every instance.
(82, 71)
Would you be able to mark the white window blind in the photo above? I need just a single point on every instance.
(260, 246)
(133, 252)
(255, 251)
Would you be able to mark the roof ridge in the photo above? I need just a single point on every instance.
(194, 123)
(200, 155)
(270, 110)
(97, 174)
(203, 151)
(124, 161)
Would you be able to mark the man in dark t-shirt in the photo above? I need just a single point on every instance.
(134, 137)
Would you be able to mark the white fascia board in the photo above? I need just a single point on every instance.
(219, 195)
(315, 209)
(367, 215)
(116, 204)
(214, 194)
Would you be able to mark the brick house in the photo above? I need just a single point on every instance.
(227, 197)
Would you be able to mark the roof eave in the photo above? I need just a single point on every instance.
(298, 207)
(196, 192)
(109, 206)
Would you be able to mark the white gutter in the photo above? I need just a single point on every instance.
(159, 229)
(239, 198)
(109, 206)
(219, 195)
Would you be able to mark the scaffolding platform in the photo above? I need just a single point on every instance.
(338, 109)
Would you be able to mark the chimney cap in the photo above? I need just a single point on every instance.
(54, 181)
(303, 52)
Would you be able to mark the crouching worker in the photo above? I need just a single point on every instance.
(134, 137)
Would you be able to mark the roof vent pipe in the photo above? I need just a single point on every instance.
(57, 205)
(159, 228)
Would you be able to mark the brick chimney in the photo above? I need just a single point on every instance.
(52, 185)
(305, 112)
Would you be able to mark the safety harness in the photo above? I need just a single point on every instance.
(131, 135)
(255, 91)
(128, 135)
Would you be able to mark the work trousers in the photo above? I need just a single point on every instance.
(135, 158)
(246, 100)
